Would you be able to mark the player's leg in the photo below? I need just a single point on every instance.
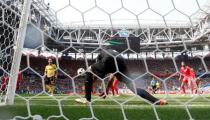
(116, 90)
(115, 85)
(113, 89)
(52, 84)
(2, 88)
(89, 79)
(51, 89)
(18, 85)
(144, 94)
(141, 92)
(190, 85)
(195, 87)
(88, 85)
(198, 81)
(47, 84)
(182, 87)
(153, 89)
(88, 89)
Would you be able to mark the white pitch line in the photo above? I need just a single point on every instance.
(134, 105)
(115, 106)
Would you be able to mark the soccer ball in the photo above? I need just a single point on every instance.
(37, 117)
(80, 71)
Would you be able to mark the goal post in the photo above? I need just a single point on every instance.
(19, 42)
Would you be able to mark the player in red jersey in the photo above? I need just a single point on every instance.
(193, 85)
(114, 85)
(184, 77)
(4, 82)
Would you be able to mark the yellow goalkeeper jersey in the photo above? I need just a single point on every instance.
(50, 70)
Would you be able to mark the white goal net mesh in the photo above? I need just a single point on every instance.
(152, 38)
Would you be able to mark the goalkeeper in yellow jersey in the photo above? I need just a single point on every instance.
(50, 76)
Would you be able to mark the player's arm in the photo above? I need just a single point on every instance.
(56, 75)
(45, 71)
(180, 75)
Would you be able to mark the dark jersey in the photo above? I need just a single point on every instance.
(106, 63)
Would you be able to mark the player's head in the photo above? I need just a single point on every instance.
(200, 69)
(49, 60)
(5, 74)
(183, 64)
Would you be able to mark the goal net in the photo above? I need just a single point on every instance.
(153, 40)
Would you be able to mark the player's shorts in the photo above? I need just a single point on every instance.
(154, 87)
(49, 80)
(185, 80)
(115, 83)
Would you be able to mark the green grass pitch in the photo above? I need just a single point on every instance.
(109, 109)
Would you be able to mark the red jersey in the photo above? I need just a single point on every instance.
(192, 74)
(5, 79)
(187, 71)
(115, 82)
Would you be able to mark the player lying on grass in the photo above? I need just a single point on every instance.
(105, 65)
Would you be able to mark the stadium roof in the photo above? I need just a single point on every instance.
(144, 13)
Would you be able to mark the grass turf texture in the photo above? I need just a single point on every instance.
(109, 109)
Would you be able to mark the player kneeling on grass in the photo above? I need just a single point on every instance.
(106, 65)
(51, 75)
